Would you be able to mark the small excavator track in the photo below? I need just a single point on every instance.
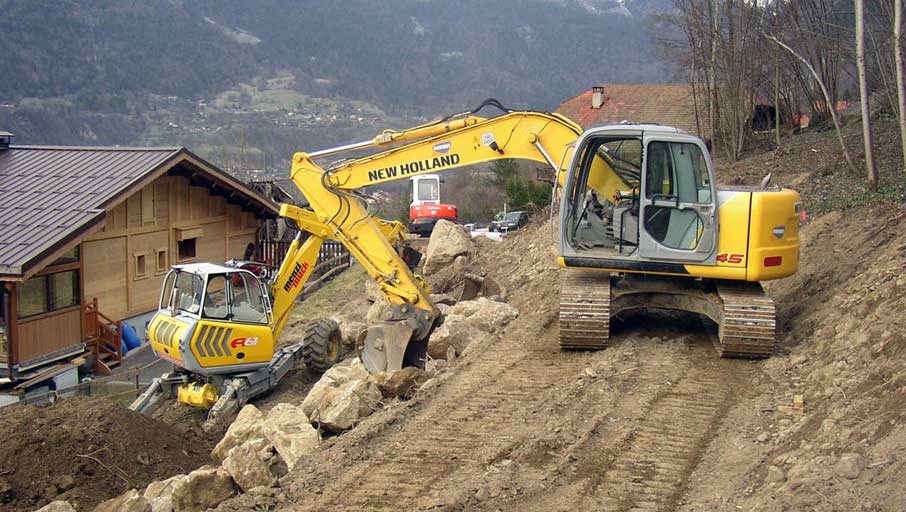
(748, 321)
(584, 309)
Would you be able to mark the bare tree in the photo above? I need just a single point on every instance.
(901, 87)
(863, 96)
(827, 97)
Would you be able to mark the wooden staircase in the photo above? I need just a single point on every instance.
(103, 338)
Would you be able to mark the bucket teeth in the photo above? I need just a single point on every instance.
(748, 322)
(584, 310)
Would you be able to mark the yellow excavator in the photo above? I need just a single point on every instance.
(642, 224)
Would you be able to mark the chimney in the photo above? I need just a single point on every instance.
(597, 96)
(5, 140)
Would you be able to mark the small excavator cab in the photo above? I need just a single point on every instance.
(213, 317)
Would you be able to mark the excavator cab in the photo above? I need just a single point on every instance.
(213, 318)
(667, 213)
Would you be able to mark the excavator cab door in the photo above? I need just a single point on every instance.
(678, 203)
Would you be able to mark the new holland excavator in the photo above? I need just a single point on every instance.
(642, 224)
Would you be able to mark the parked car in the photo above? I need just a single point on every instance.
(512, 221)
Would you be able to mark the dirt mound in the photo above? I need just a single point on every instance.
(845, 335)
(87, 451)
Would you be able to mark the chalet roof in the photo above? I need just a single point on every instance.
(665, 104)
(51, 197)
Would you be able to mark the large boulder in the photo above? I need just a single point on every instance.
(246, 428)
(289, 430)
(57, 506)
(345, 406)
(486, 314)
(130, 501)
(448, 241)
(401, 383)
(457, 333)
(160, 493)
(375, 312)
(340, 374)
(342, 397)
(247, 469)
(203, 489)
(351, 319)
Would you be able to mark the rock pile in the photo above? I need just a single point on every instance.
(257, 449)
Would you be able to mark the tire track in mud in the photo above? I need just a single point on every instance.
(635, 454)
(647, 466)
(448, 441)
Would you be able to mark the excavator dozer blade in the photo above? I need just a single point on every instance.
(385, 345)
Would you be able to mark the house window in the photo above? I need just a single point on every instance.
(64, 287)
(2, 306)
(161, 263)
(141, 265)
(186, 249)
(52, 292)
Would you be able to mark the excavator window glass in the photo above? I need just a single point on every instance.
(428, 190)
(215, 298)
(188, 290)
(248, 302)
(607, 225)
(676, 174)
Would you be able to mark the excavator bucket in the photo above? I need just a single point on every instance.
(384, 346)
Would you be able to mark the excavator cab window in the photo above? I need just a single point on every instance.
(428, 190)
(607, 225)
(215, 298)
(187, 293)
(676, 174)
(235, 296)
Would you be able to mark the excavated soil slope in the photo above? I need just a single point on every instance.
(87, 451)
(519, 424)
(657, 421)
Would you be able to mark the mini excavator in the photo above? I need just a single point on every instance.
(642, 224)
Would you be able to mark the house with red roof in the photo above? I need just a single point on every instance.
(664, 104)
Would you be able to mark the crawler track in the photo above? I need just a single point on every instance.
(748, 321)
(584, 309)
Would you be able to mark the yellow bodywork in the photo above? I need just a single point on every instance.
(746, 239)
(196, 394)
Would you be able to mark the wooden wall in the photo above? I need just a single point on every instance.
(44, 334)
(149, 224)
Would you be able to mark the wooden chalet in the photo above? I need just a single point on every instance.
(87, 234)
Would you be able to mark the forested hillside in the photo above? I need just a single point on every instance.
(273, 74)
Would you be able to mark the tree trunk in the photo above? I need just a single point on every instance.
(776, 53)
(863, 95)
(833, 111)
(712, 72)
(901, 87)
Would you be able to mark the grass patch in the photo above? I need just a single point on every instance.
(887, 193)
(321, 303)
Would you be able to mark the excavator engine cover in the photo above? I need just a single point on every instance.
(197, 394)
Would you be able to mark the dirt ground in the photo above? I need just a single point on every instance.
(87, 451)
(654, 422)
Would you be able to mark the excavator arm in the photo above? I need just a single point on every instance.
(338, 213)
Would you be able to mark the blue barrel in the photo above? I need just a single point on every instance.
(130, 338)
